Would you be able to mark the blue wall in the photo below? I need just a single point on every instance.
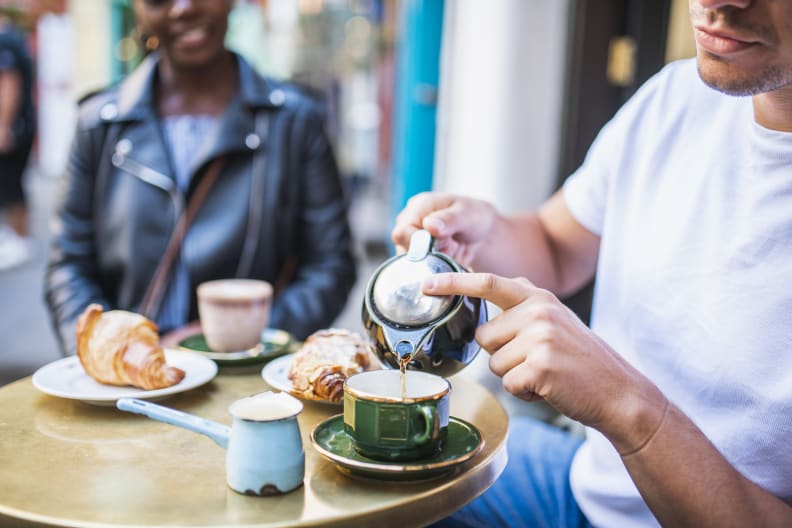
(415, 104)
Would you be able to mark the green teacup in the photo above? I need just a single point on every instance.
(384, 426)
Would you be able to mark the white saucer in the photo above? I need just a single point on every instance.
(66, 378)
(276, 374)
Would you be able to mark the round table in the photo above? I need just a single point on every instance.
(67, 463)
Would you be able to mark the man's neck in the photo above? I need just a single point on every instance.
(773, 110)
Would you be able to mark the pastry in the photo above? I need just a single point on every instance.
(122, 348)
(326, 359)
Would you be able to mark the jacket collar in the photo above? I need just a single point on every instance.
(136, 91)
(237, 130)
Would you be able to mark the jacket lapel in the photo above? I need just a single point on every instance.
(139, 149)
(237, 123)
(236, 131)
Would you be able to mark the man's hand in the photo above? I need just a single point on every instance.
(459, 225)
(541, 349)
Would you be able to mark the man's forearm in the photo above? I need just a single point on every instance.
(687, 482)
(10, 97)
(550, 248)
(518, 248)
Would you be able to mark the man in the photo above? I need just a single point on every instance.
(17, 124)
(683, 208)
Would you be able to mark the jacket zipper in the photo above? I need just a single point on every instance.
(152, 177)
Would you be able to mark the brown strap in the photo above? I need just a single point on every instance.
(286, 275)
(156, 288)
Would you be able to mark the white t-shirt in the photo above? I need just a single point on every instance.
(693, 200)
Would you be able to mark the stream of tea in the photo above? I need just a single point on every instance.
(403, 370)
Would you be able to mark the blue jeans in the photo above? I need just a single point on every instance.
(533, 490)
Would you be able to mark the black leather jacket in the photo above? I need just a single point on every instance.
(277, 212)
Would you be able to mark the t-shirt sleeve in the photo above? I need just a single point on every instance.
(586, 190)
(589, 189)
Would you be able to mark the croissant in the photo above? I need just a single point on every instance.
(327, 358)
(122, 348)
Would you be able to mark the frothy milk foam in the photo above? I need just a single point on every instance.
(266, 406)
(236, 290)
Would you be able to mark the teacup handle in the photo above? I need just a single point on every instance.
(431, 425)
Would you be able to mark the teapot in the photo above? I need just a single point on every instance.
(265, 451)
(432, 333)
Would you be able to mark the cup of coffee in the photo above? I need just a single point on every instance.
(233, 312)
(391, 421)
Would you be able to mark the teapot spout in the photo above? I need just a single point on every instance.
(405, 350)
(214, 430)
(404, 344)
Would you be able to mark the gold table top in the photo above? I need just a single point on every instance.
(67, 463)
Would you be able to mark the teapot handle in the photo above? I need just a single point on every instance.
(216, 431)
(421, 244)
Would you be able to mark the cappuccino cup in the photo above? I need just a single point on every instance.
(384, 425)
(233, 312)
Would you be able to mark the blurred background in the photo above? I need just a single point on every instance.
(497, 99)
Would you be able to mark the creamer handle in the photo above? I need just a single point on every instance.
(216, 431)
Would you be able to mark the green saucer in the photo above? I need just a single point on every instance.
(463, 443)
(274, 343)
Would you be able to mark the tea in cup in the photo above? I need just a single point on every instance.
(233, 312)
(383, 425)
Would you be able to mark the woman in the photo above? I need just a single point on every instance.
(276, 210)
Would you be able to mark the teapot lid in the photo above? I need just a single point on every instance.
(397, 292)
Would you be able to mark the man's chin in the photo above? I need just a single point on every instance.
(732, 80)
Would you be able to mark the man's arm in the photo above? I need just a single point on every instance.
(548, 247)
(542, 350)
(10, 102)
(685, 481)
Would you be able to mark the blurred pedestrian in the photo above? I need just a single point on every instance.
(147, 151)
(17, 127)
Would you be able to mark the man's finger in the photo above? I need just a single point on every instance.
(460, 219)
(503, 292)
(411, 218)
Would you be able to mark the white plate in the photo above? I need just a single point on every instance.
(276, 374)
(66, 378)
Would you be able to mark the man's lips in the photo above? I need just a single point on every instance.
(721, 43)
